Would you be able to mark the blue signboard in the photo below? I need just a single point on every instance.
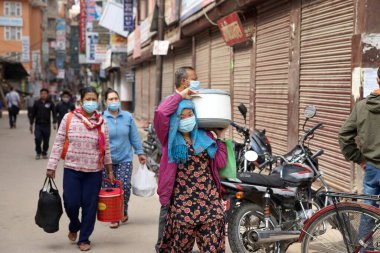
(129, 24)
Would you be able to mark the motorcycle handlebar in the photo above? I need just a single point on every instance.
(311, 131)
(239, 128)
(319, 152)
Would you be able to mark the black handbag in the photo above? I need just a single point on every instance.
(49, 209)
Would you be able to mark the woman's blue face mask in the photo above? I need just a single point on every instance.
(187, 125)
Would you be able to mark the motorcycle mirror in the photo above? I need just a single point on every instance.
(310, 111)
(251, 156)
(243, 110)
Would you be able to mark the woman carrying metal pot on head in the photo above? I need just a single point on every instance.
(86, 154)
(123, 136)
(188, 180)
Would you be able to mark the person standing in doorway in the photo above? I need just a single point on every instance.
(43, 108)
(13, 102)
(87, 153)
(64, 106)
(364, 123)
(123, 136)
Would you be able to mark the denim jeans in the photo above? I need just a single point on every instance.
(371, 185)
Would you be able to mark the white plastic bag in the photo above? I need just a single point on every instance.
(143, 182)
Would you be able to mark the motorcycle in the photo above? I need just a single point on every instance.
(266, 212)
(257, 141)
(153, 149)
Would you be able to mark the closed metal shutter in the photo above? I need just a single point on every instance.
(272, 57)
(145, 91)
(183, 57)
(202, 56)
(152, 89)
(168, 76)
(325, 79)
(220, 62)
(138, 93)
(242, 69)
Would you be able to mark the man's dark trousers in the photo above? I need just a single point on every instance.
(12, 117)
(42, 134)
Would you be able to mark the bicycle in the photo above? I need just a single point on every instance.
(348, 227)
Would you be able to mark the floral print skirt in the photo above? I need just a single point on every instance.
(195, 212)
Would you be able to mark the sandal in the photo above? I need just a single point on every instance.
(84, 247)
(72, 236)
(114, 225)
(125, 219)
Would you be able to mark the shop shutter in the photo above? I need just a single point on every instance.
(271, 84)
(220, 62)
(152, 89)
(325, 79)
(242, 82)
(145, 91)
(168, 76)
(183, 56)
(138, 92)
(202, 58)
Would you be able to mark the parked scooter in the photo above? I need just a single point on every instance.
(153, 149)
(267, 212)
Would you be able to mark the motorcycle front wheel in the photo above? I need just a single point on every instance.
(244, 219)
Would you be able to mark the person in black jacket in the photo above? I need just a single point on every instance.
(41, 112)
(64, 106)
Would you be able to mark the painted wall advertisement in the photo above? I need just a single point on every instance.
(25, 49)
(189, 7)
(118, 43)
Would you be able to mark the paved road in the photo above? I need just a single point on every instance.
(21, 177)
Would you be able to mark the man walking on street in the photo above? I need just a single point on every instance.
(183, 76)
(13, 102)
(29, 101)
(364, 123)
(41, 112)
(64, 106)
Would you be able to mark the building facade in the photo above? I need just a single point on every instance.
(298, 52)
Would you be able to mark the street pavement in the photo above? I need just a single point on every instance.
(21, 179)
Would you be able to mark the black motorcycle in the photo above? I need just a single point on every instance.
(152, 149)
(256, 141)
(266, 212)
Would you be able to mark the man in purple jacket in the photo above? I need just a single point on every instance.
(167, 174)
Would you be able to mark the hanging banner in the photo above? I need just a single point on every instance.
(93, 10)
(113, 18)
(82, 26)
(232, 30)
(25, 49)
(61, 34)
(91, 42)
(129, 24)
(189, 7)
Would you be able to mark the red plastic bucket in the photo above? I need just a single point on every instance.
(111, 203)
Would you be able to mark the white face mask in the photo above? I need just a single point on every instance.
(65, 100)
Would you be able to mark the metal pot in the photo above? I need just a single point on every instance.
(213, 108)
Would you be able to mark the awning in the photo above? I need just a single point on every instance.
(13, 70)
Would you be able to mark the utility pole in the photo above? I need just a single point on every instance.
(160, 58)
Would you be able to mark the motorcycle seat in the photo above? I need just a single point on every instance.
(272, 181)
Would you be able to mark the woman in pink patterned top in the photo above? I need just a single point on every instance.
(87, 152)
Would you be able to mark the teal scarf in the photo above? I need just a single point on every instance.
(177, 148)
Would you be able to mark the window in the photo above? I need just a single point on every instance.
(12, 33)
(12, 9)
